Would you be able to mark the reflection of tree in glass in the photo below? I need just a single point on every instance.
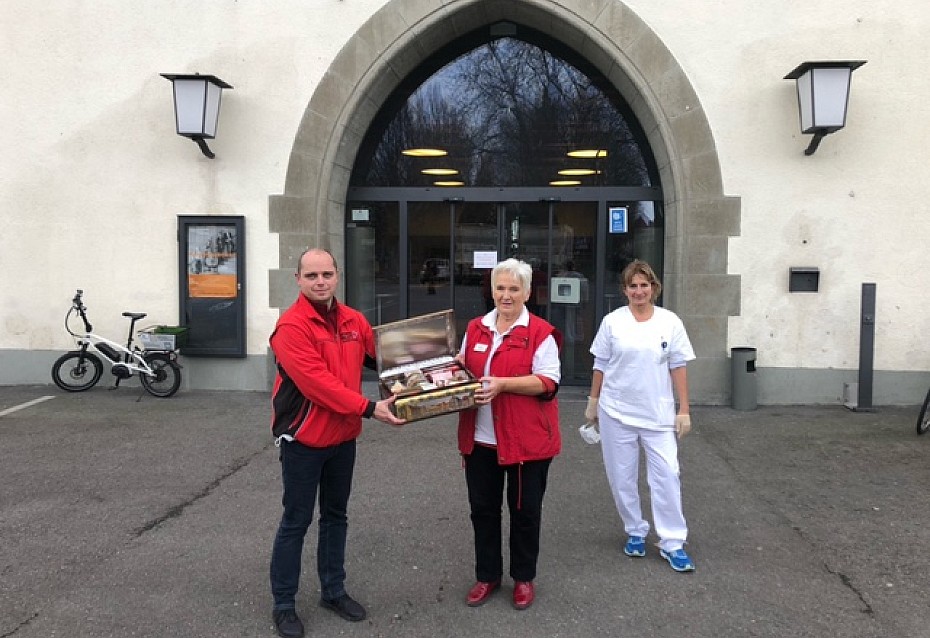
(508, 112)
(425, 120)
(534, 107)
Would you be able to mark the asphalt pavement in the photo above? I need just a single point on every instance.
(122, 514)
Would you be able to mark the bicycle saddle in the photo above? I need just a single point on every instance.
(134, 315)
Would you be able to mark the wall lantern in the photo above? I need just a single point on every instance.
(197, 106)
(823, 95)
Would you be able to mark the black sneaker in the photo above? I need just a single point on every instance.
(346, 607)
(288, 624)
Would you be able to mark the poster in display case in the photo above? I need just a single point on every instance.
(212, 284)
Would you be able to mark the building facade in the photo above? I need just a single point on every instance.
(95, 181)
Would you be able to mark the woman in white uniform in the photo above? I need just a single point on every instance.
(640, 353)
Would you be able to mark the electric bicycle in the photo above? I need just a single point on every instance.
(81, 369)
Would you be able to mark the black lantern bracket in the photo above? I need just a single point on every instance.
(202, 143)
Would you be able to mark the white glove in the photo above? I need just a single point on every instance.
(590, 412)
(682, 425)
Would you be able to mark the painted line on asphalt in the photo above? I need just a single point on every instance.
(25, 405)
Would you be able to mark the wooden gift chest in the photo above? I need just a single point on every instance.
(415, 362)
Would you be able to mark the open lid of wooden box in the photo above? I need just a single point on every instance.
(417, 341)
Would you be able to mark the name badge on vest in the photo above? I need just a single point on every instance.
(481, 347)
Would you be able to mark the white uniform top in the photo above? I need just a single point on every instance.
(545, 362)
(635, 357)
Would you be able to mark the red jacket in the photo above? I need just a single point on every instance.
(526, 427)
(317, 395)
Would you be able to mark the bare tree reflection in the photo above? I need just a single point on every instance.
(507, 112)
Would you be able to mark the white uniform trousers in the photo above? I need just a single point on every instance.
(620, 445)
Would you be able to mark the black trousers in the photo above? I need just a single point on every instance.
(526, 486)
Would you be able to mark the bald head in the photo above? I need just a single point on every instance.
(315, 250)
(317, 275)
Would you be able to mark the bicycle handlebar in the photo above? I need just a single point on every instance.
(77, 304)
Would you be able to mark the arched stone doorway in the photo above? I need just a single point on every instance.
(401, 35)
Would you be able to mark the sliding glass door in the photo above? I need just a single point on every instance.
(443, 252)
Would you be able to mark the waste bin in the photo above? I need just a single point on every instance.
(743, 378)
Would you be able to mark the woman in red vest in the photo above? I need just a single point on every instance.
(513, 435)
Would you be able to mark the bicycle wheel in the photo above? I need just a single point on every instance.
(923, 421)
(167, 377)
(77, 371)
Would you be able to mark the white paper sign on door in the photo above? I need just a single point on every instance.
(485, 259)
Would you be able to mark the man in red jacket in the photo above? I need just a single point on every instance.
(320, 346)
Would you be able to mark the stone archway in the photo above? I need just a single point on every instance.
(403, 33)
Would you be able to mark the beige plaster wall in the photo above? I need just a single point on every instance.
(94, 175)
(857, 209)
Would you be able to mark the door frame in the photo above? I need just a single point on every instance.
(602, 195)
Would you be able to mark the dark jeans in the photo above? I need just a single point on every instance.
(304, 472)
(526, 486)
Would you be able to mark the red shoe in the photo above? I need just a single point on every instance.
(523, 594)
(479, 594)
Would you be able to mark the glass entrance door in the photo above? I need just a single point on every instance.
(477, 242)
(452, 246)
(558, 240)
(429, 257)
(448, 244)
(414, 251)
(410, 258)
